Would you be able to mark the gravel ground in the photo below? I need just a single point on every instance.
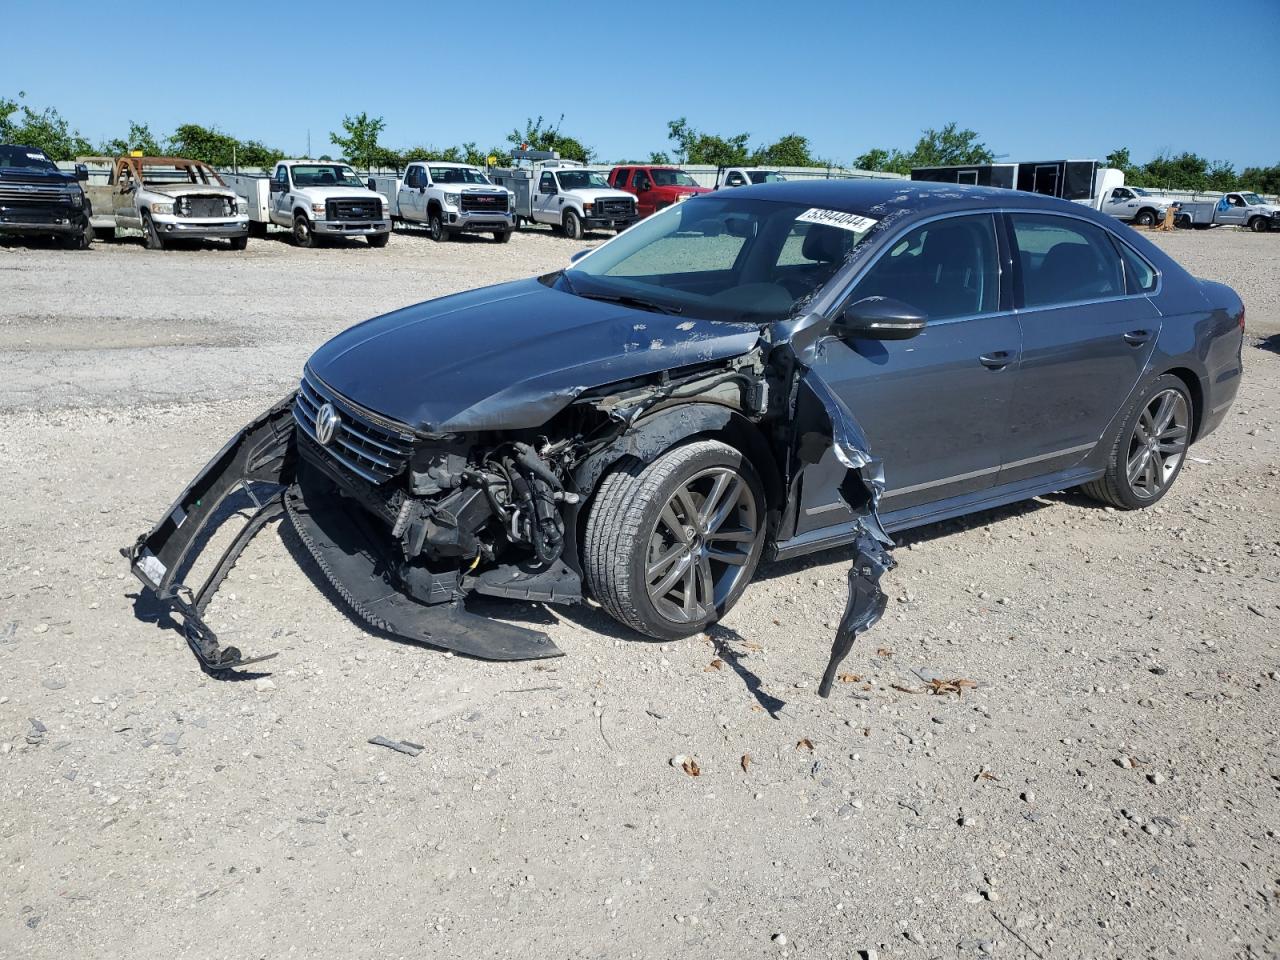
(1108, 788)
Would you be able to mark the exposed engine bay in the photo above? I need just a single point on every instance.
(406, 524)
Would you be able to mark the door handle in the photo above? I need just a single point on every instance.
(1136, 338)
(996, 360)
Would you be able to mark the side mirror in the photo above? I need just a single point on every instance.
(879, 318)
(277, 186)
(372, 185)
(82, 172)
(574, 258)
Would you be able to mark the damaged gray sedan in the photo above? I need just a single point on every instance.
(707, 390)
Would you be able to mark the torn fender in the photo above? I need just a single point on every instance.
(861, 490)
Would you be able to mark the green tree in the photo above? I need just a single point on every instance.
(693, 146)
(1184, 171)
(949, 146)
(1261, 179)
(789, 151)
(220, 149)
(1119, 159)
(45, 130)
(359, 142)
(659, 156)
(140, 138)
(537, 136)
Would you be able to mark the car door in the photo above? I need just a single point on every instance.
(1234, 211)
(1085, 340)
(124, 196)
(546, 201)
(281, 199)
(935, 407)
(410, 196)
(642, 187)
(1118, 204)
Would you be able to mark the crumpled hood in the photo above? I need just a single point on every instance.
(190, 189)
(509, 356)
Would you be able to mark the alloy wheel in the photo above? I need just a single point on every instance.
(1158, 444)
(700, 545)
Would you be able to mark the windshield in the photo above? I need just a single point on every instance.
(765, 176)
(581, 180)
(672, 178)
(457, 175)
(1252, 199)
(28, 158)
(719, 258)
(325, 175)
(162, 173)
(1140, 192)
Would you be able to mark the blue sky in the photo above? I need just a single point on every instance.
(1038, 80)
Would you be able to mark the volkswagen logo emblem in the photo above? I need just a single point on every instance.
(327, 421)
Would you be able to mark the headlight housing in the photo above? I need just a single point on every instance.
(452, 199)
(162, 208)
(317, 208)
(587, 208)
(77, 200)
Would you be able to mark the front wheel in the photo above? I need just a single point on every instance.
(435, 226)
(1145, 218)
(503, 236)
(239, 243)
(670, 545)
(1149, 447)
(150, 235)
(1259, 225)
(378, 239)
(303, 235)
(572, 225)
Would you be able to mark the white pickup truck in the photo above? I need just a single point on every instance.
(568, 197)
(167, 198)
(450, 198)
(743, 176)
(1244, 209)
(314, 199)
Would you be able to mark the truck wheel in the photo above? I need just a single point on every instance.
(239, 243)
(378, 239)
(150, 235)
(303, 235)
(1259, 225)
(502, 236)
(257, 230)
(1145, 218)
(572, 226)
(435, 226)
(670, 545)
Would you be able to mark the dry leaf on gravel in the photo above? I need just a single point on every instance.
(849, 678)
(899, 687)
(688, 764)
(805, 744)
(715, 664)
(745, 761)
(984, 775)
(957, 686)
(884, 652)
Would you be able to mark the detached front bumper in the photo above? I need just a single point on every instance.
(202, 229)
(351, 228)
(260, 468)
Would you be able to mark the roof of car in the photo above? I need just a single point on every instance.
(882, 196)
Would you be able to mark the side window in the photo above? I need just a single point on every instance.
(1139, 275)
(642, 180)
(735, 179)
(1236, 200)
(282, 175)
(546, 183)
(948, 268)
(1120, 194)
(1065, 260)
(620, 179)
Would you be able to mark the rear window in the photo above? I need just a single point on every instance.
(1065, 260)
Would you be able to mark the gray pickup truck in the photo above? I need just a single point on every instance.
(1242, 209)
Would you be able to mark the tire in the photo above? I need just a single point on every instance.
(571, 225)
(627, 536)
(257, 230)
(1259, 225)
(239, 243)
(1145, 218)
(435, 226)
(378, 240)
(1157, 454)
(150, 235)
(503, 236)
(303, 235)
(79, 240)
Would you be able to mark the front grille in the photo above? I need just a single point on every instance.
(41, 213)
(371, 451)
(364, 210)
(614, 208)
(203, 207)
(484, 203)
(35, 194)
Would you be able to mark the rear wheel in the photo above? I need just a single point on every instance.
(670, 545)
(1259, 224)
(572, 225)
(1145, 218)
(303, 235)
(150, 235)
(378, 239)
(1149, 447)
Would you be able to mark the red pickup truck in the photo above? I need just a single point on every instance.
(654, 187)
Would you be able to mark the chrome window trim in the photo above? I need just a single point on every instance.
(842, 299)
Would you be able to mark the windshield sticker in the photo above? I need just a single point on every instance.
(837, 218)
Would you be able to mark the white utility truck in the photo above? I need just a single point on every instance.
(449, 198)
(745, 176)
(314, 199)
(565, 195)
(1244, 209)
